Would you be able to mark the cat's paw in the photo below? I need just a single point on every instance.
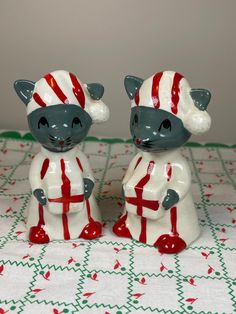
(40, 196)
(91, 231)
(38, 235)
(88, 188)
(170, 199)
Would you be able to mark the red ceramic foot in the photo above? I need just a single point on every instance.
(120, 228)
(91, 231)
(38, 235)
(170, 244)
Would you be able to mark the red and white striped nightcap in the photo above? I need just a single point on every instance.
(62, 87)
(170, 91)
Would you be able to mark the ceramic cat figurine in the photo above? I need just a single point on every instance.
(159, 208)
(60, 111)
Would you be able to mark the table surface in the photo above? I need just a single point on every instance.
(113, 275)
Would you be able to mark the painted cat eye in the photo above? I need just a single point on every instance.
(135, 120)
(76, 121)
(42, 122)
(166, 124)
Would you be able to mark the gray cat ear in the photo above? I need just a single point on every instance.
(24, 90)
(95, 90)
(201, 98)
(132, 85)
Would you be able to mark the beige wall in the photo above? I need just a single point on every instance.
(105, 40)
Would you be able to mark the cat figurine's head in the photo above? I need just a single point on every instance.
(61, 109)
(165, 111)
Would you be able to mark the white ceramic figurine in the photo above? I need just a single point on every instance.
(60, 111)
(159, 208)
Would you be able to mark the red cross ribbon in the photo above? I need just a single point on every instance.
(138, 200)
(68, 199)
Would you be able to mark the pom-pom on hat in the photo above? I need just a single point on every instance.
(171, 92)
(62, 87)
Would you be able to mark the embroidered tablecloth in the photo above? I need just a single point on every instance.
(115, 275)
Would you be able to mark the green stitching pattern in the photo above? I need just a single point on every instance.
(121, 254)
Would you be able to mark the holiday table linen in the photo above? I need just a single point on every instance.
(117, 275)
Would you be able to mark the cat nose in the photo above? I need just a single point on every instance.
(138, 141)
(61, 142)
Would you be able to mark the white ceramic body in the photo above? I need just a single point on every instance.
(169, 171)
(78, 213)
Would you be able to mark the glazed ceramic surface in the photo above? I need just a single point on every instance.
(159, 208)
(60, 112)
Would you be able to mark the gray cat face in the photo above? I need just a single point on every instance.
(60, 127)
(156, 130)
